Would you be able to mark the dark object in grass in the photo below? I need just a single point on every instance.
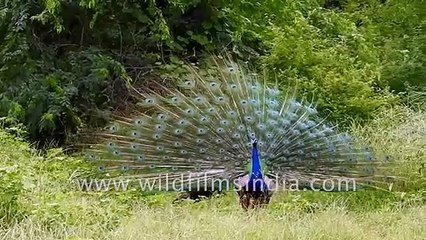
(330, 4)
(196, 195)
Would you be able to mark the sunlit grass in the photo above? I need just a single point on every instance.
(331, 223)
(401, 134)
(189, 222)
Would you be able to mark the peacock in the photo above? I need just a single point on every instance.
(228, 122)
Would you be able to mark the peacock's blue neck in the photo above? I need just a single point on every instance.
(256, 170)
(256, 181)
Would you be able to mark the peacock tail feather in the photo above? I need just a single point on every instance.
(205, 127)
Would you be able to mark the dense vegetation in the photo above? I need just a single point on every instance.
(65, 66)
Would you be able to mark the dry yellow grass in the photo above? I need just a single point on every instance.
(333, 223)
(189, 223)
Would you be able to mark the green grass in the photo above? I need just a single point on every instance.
(400, 133)
(39, 200)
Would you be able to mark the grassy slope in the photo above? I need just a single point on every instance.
(37, 195)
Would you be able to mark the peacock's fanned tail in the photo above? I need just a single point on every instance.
(203, 129)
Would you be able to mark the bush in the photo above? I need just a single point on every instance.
(40, 187)
(65, 64)
(13, 161)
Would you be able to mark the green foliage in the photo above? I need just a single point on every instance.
(10, 189)
(15, 160)
(61, 58)
(349, 61)
(39, 186)
(66, 63)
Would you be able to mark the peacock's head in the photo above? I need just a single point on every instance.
(254, 142)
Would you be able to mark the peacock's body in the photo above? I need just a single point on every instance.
(225, 123)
